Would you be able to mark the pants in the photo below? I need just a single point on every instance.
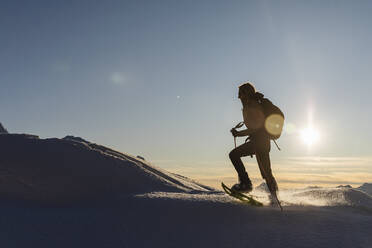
(261, 148)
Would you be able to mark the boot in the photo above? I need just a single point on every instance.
(244, 185)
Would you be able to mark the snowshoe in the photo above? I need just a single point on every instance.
(247, 199)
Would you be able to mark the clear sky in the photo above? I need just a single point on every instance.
(159, 79)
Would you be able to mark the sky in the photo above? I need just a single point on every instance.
(159, 79)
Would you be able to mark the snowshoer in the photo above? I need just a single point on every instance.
(264, 122)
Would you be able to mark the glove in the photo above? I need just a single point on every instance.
(234, 132)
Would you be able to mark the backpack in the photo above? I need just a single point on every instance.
(274, 119)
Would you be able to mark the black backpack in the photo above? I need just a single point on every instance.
(274, 119)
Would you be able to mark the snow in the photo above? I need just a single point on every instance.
(73, 193)
(367, 188)
(2, 129)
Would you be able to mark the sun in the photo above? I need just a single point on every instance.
(310, 135)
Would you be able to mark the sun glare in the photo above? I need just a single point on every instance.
(309, 135)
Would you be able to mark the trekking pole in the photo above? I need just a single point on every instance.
(239, 125)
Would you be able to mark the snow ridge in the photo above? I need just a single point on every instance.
(73, 169)
(367, 188)
(2, 129)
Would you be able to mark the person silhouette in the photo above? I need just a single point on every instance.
(257, 143)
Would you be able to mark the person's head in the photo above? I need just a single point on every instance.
(246, 91)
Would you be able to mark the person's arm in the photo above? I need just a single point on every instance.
(241, 133)
(246, 132)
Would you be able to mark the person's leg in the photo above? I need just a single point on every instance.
(263, 160)
(263, 147)
(235, 155)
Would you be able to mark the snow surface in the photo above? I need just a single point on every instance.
(2, 129)
(366, 187)
(73, 193)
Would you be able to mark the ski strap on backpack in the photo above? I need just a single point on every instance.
(277, 145)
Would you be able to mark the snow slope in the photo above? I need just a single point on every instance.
(366, 187)
(60, 171)
(2, 129)
(91, 196)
